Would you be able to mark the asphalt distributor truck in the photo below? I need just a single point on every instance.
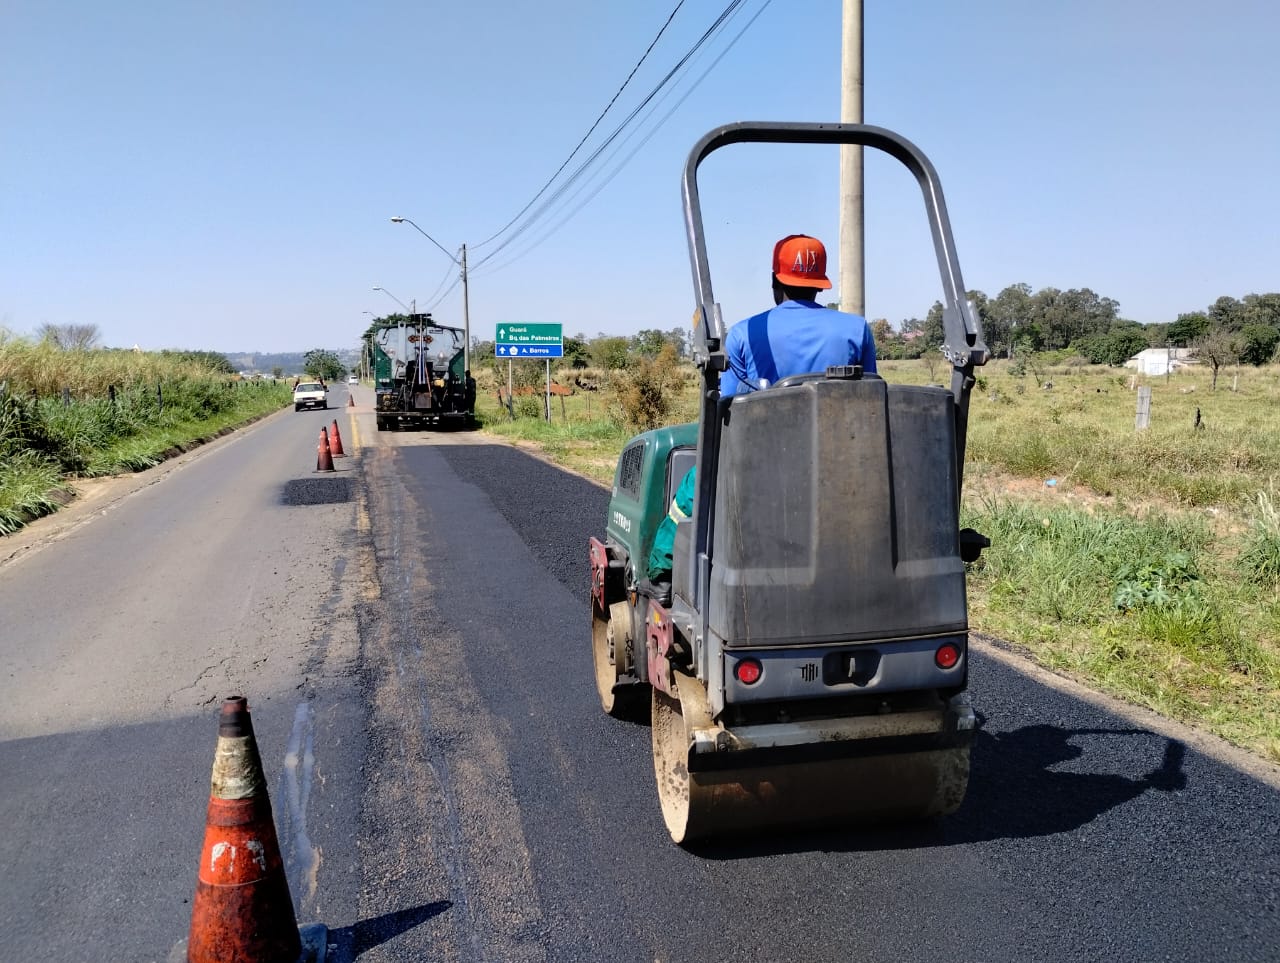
(419, 376)
(808, 663)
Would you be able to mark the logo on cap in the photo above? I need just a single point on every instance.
(801, 261)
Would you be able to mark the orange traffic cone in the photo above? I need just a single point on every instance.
(242, 909)
(335, 446)
(351, 399)
(324, 456)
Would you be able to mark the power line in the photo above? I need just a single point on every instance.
(626, 160)
(592, 129)
(443, 281)
(559, 192)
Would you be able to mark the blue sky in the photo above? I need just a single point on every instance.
(222, 175)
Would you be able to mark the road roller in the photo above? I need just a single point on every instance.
(806, 664)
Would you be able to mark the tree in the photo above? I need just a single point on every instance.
(1227, 314)
(649, 342)
(576, 352)
(1115, 347)
(277, 371)
(1065, 316)
(212, 360)
(1217, 348)
(933, 330)
(1005, 313)
(609, 352)
(70, 337)
(1188, 328)
(322, 364)
(1258, 343)
(932, 358)
(1262, 309)
(677, 338)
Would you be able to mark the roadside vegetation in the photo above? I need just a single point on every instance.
(80, 412)
(1145, 563)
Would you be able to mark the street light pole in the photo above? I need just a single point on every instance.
(377, 287)
(466, 307)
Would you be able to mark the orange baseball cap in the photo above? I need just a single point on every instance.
(800, 261)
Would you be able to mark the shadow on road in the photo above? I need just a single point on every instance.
(1014, 793)
(350, 942)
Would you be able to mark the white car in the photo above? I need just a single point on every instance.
(353, 380)
(310, 394)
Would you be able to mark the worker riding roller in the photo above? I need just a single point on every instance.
(791, 615)
(795, 337)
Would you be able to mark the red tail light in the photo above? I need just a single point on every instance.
(748, 671)
(947, 656)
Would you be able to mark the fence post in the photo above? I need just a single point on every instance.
(66, 397)
(1143, 417)
(160, 396)
(111, 393)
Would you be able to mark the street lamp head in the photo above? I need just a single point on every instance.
(377, 287)
(397, 220)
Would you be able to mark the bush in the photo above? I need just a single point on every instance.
(530, 406)
(644, 392)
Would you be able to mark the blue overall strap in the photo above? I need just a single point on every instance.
(761, 351)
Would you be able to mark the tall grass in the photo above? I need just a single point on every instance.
(66, 414)
(42, 369)
(1260, 559)
(1153, 608)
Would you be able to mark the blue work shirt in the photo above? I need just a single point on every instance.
(801, 336)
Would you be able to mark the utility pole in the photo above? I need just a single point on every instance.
(466, 315)
(852, 254)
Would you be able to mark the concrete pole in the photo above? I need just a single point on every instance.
(852, 257)
(466, 315)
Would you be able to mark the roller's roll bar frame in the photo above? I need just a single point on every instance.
(962, 346)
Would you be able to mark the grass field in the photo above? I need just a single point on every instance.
(1144, 563)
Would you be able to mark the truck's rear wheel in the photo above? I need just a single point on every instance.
(846, 792)
(610, 638)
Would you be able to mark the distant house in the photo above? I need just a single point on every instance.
(1159, 361)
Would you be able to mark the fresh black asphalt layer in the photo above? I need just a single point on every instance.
(1082, 837)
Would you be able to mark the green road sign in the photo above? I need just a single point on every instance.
(529, 334)
(529, 341)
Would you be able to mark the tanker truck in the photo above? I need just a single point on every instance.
(419, 375)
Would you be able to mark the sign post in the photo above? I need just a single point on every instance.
(544, 341)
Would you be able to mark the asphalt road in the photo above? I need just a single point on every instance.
(413, 636)
(1084, 836)
(124, 621)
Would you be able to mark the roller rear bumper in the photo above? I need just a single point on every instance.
(715, 747)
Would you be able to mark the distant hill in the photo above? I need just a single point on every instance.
(289, 362)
